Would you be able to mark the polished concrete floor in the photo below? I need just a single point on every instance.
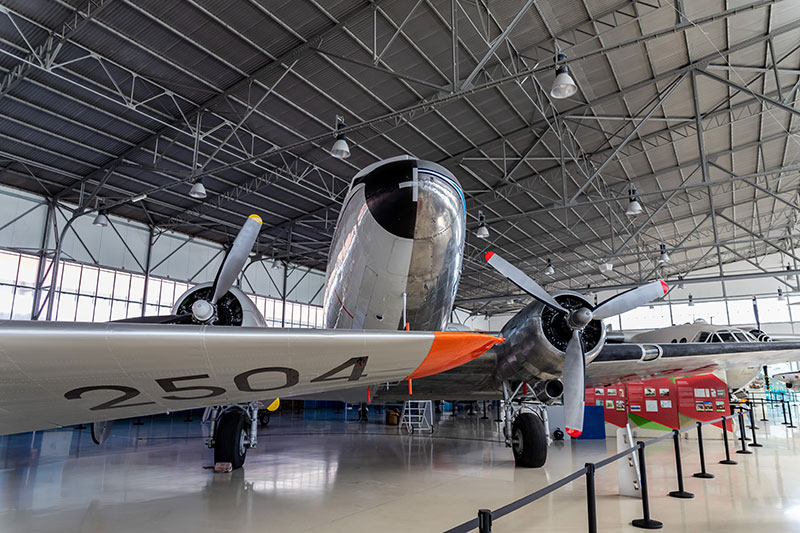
(319, 472)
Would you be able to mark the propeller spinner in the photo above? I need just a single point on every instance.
(573, 376)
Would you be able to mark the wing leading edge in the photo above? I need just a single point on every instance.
(56, 374)
(628, 361)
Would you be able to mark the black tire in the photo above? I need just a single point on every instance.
(263, 418)
(230, 442)
(529, 441)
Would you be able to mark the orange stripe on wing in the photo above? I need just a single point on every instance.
(454, 348)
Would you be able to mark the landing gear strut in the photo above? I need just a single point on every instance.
(232, 430)
(526, 429)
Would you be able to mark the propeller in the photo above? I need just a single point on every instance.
(205, 310)
(232, 265)
(574, 358)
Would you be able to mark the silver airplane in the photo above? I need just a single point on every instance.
(394, 265)
(790, 379)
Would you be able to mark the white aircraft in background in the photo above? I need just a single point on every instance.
(790, 379)
(394, 265)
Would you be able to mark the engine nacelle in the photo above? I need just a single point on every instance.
(235, 308)
(537, 337)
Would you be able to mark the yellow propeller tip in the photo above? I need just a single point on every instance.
(256, 217)
(274, 405)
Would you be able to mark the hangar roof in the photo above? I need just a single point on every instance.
(103, 100)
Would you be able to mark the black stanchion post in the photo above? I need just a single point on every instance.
(755, 443)
(741, 433)
(727, 460)
(783, 407)
(750, 414)
(591, 504)
(484, 417)
(763, 411)
(138, 422)
(680, 493)
(496, 404)
(791, 423)
(702, 473)
(484, 521)
(645, 522)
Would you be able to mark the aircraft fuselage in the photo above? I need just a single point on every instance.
(397, 250)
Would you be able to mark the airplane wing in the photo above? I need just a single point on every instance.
(55, 374)
(628, 361)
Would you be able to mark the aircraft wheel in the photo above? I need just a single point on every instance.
(231, 439)
(263, 418)
(529, 441)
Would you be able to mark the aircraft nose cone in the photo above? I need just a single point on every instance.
(411, 200)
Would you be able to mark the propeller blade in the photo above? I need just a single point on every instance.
(526, 283)
(158, 319)
(574, 385)
(236, 257)
(616, 305)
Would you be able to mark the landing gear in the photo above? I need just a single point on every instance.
(526, 430)
(529, 441)
(231, 439)
(232, 430)
(263, 417)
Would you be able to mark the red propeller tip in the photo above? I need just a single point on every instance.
(664, 286)
(574, 433)
(488, 255)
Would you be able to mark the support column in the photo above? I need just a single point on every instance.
(147, 268)
(40, 272)
(286, 274)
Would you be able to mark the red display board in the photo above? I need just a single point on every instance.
(660, 403)
(614, 403)
(653, 404)
(703, 397)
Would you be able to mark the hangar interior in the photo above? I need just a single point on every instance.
(135, 136)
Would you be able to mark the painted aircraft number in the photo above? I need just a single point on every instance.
(197, 392)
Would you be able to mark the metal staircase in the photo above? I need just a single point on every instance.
(417, 416)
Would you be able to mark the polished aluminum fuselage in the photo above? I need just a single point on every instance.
(396, 254)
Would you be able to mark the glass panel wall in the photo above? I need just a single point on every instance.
(86, 293)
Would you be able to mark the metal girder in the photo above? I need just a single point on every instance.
(183, 118)
(777, 103)
(659, 100)
(495, 44)
(765, 240)
(751, 41)
(45, 54)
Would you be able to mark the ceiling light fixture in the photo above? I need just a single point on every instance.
(634, 207)
(198, 190)
(563, 85)
(664, 257)
(680, 282)
(483, 230)
(691, 301)
(101, 220)
(340, 149)
(781, 297)
(549, 271)
(139, 198)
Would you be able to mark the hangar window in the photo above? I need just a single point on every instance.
(703, 336)
(87, 293)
